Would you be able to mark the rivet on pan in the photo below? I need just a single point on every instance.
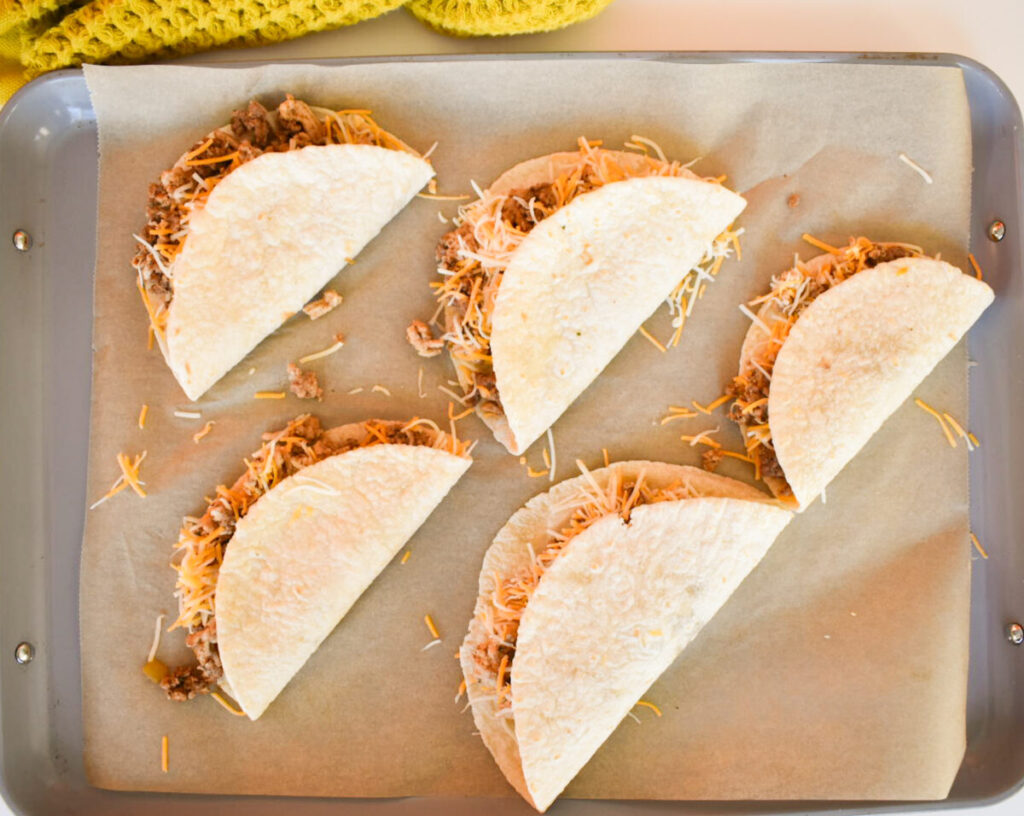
(22, 240)
(1015, 634)
(996, 230)
(24, 652)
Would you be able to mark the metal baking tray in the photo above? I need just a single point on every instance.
(48, 182)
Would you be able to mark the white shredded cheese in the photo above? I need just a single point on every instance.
(913, 165)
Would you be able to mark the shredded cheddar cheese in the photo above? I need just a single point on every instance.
(975, 266)
(269, 395)
(429, 621)
(654, 340)
(703, 438)
(942, 422)
(810, 239)
(978, 547)
(164, 754)
(206, 429)
(649, 705)
(142, 416)
(405, 556)
(226, 705)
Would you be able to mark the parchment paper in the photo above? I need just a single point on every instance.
(839, 668)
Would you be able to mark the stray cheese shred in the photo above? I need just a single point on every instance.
(942, 422)
(206, 429)
(978, 547)
(339, 342)
(226, 705)
(429, 621)
(129, 478)
(649, 705)
(975, 266)
(142, 416)
(269, 395)
(164, 755)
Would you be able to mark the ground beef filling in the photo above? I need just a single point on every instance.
(251, 133)
(302, 443)
(753, 385)
(522, 210)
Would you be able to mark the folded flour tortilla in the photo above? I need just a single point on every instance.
(255, 219)
(298, 538)
(837, 345)
(588, 594)
(558, 264)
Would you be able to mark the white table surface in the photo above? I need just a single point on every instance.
(989, 31)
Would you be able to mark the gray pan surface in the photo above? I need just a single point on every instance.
(48, 177)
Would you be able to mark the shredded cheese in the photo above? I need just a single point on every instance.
(405, 556)
(142, 416)
(188, 414)
(226, 705)
(164, 754)
(429, 621)
(269, 395)
(380, 389)
(649, 705)
(913, 165)
(814, 242)
(942, 422)
(973, 439)
(958, 430)
(604, 451)
(206, 429)
(432, 644)
(975, 266)
(156, 638)
(339, 341)
(978, 547)
(654, 340)
(419, 385)
(703, 438)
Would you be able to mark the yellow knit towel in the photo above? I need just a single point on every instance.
(469, 18)
(42, 35)
(131, 30)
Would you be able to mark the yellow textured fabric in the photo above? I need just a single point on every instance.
(131, 30)
(11, 72)
(474, 18)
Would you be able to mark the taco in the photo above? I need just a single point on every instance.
(558, 264)
(835, 348)
(277, 559)
(254, 219)
(588, 594)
